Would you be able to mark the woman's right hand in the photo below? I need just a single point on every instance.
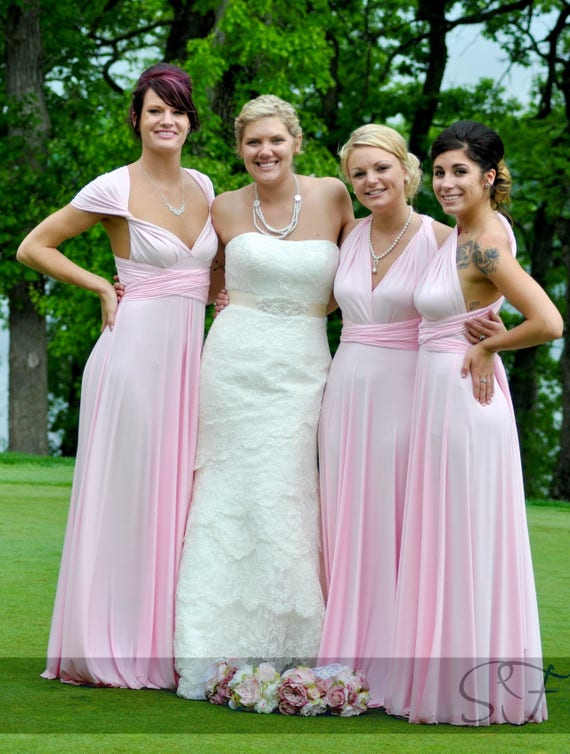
(109, 304)
(481, 328)
(119, 288)
(222, 300)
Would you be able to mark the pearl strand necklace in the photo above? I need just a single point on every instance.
(377, 257)
(175, 210)
(269, 230)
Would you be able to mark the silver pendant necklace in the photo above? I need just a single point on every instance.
(175, 210)
(377, 257)
(269, 230)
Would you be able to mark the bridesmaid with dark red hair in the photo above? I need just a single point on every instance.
(113, 619)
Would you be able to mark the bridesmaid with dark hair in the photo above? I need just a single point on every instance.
(113, 619)
(466, 641)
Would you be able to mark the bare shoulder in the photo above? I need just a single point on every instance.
(227, 200)
(493, 243)
(328, 185)
(228, 206)
(486, 250)
(441, 232)
(495, 236)
(348, 228)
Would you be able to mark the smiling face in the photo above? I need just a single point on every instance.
(377, 177)
(161, 125)
(458, 182)
(268, 149)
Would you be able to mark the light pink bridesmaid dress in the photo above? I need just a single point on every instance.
(363, 451)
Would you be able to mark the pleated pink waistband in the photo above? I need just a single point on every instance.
(444, 337)
(281, 306)
(164, 282)
(448, 335)
(400, 335)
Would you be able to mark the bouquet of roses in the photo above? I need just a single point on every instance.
(298, 691)
(217, 684)
(244, 687)
(345, 692)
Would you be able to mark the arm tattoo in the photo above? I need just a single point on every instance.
(217, 266)
(474, 305)
(463, 255)
(485, 260)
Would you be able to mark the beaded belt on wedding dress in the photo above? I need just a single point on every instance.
(278, 305)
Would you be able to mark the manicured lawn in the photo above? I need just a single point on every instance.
(47, 716)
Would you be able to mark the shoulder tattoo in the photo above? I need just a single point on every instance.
(485, 260)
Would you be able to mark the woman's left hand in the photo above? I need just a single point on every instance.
(478, 329)
(478, 362)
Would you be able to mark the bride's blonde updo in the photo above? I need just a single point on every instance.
(266, 106)
(386, 138)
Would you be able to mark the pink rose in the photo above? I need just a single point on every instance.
(247, 692)
(335, 697)
(286, 709)
(353, 697)
(299, 675)
(295, 694)
(356, 705)
(221, 671)
(323, 685)
(222, 693)
(362, 680)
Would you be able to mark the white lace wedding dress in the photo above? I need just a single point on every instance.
(249, 584)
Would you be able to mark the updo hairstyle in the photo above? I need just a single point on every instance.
(266, 106)
(485, 147)
(386, 138)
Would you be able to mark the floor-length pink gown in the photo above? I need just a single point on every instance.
(363, 450)
(113, 620)
(466, 641)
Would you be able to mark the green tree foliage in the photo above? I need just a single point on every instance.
(342, 64)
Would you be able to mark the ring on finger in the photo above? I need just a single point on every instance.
(483, 380)
(482, 337)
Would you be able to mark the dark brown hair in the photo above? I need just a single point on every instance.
(171, 84)
(485, 147)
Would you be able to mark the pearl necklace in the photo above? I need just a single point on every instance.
(377, 257)
(267, 229)
(175, 210)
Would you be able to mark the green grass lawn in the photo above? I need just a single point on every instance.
(46, 716)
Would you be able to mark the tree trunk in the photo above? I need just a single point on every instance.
(187, 24)
(433, 12)
(28, 407)
(28, 126)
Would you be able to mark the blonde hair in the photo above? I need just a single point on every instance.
(386, 138)
(266, 106)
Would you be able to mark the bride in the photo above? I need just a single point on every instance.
(249, 584)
